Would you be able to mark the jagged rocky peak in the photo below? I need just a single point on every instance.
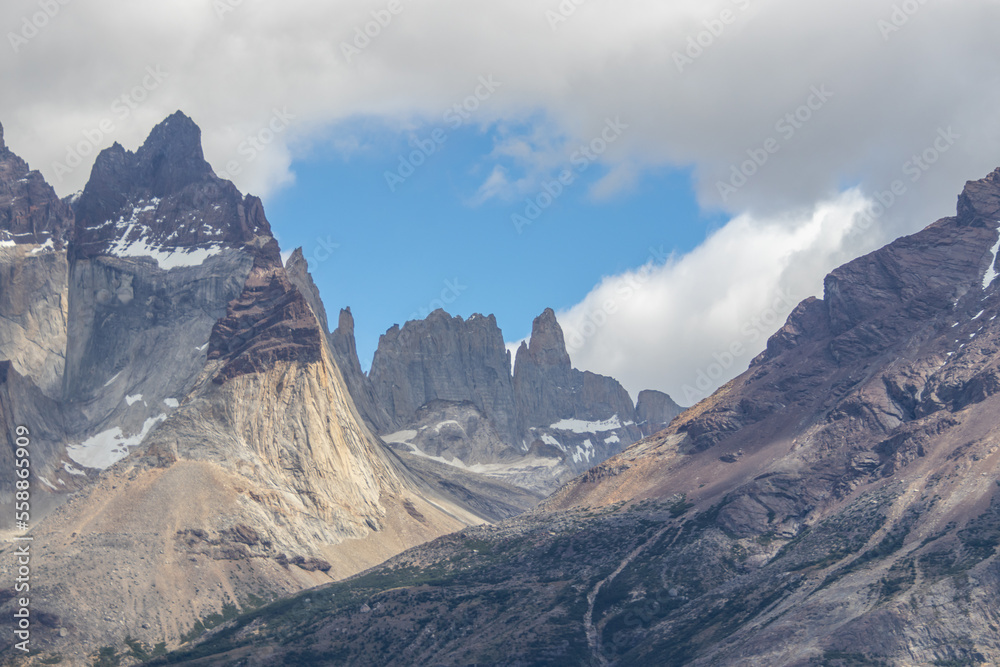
(344, 343)
(345, 353)
(980, 200)
(297, 269)
(169, 160)
(164, 201)
(919, 276)
(172, 156)
(30, 211)
(547, 347)
(548, 388)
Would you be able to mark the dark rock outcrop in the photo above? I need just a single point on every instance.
(163, 198)
(30, 211)
(271, 321)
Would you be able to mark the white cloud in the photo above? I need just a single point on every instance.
(673, 326)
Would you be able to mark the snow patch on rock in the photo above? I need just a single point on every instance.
(108, 448)
(580, 426)
(991, 272)
(166, 258)
(71, 470)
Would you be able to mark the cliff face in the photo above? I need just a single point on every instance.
(445, 358)
(585, 416)
(34, 272)
(447, 388)
(838, 503)
(345, 351)
(654, 411)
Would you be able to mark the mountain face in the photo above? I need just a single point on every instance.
(161, 248)
(30, 211)
(587, 417)
(445, 358)
(837, 504)
(195, 447)
(346, 353)
(442, 388)
(548, 388)
(654, 411)
(33, 273)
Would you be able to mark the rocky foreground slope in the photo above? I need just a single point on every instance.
(837, 504)
(195, 450)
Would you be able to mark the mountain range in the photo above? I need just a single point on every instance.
(836, 504)
(444, 388)
(217, 481)
(203, 443)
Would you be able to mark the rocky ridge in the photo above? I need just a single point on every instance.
(837, 504)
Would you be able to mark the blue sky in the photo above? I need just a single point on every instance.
(400, 253)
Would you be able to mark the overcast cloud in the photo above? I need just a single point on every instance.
(881, 81)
